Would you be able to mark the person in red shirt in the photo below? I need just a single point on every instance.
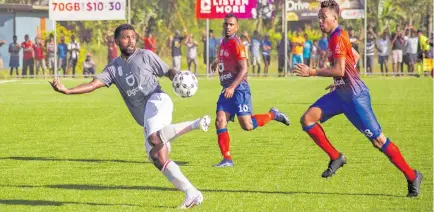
(112, 48)
(28, 56)
(235, 97)
(349, 96)
(150, 42)
(39, 55)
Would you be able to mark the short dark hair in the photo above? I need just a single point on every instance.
(211, 31)
(331, 4)
(121, 28)
(419, 31)
(231, 15)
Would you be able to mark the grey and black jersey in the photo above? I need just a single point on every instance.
(136, 79)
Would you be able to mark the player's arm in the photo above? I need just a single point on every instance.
(171, 73)
(337, 70)
(80, 89)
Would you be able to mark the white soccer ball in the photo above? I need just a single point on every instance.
(185, 84)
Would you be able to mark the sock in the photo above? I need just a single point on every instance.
(395, 156)
(317, 134)
(173, 173)
(170, 132)
(223, 141)
(262, 119)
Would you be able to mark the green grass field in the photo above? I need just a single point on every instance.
(86, 153)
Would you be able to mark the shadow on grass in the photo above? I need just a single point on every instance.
(181, 163)
(54, 203)
(156, 188)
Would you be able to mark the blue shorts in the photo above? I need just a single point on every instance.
(240, 104)
(296, 59)
(358, 110)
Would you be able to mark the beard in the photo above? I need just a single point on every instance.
(128, 51)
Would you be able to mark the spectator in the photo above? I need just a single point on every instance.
(255, 48)
(213, 44)
(74, 50)
(355, 41)
(297, 43)
(14, 51)
(191, 53)
(282, 55)
(423, 49)
(39, 56)
(411, 49)
(246, 42)
(88, 66)
(50, 53)
(28, 56)
(323, 44)
(398, 44)
(307, 50)
(383, 52)
(175, 44)
(315, 54)
(2, 42)
(149, 42)
(266, 49)
(370, 50)
(112, 48)
(62, 49)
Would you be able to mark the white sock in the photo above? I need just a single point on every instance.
(173, 173)
(170, 132)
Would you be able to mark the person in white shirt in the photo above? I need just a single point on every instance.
(74, 50)
(383, 51)
(411, 43)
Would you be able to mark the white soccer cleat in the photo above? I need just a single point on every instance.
(204, 123)
(192, 201)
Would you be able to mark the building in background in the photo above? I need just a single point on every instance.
(19, 19)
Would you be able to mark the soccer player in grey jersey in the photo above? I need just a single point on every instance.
(135, 75)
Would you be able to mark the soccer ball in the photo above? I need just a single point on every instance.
(185, 84)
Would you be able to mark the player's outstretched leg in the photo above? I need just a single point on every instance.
(414, 177)
(315, 131)
(258, 120)
(158, 153)
(170, 132)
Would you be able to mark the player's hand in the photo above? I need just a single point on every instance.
(58, 86)
(229, 92)
(302, 70)
(331, 87)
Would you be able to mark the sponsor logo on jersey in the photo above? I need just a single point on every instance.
(133, 91)
(339, 81)
(225, 76)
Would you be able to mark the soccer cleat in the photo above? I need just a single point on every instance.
(280, 117)
(225, 163)
(334, 165)
(204, 123)
(192, 201)
(414, 186)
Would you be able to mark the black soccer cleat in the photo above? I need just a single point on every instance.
(280, 117)
(414, 186)
(334, 165)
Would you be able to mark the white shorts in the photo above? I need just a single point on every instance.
(396, 56)
(158, 114)
(256, 61)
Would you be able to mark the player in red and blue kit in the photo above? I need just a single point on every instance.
(350, 97)
(235, 98)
